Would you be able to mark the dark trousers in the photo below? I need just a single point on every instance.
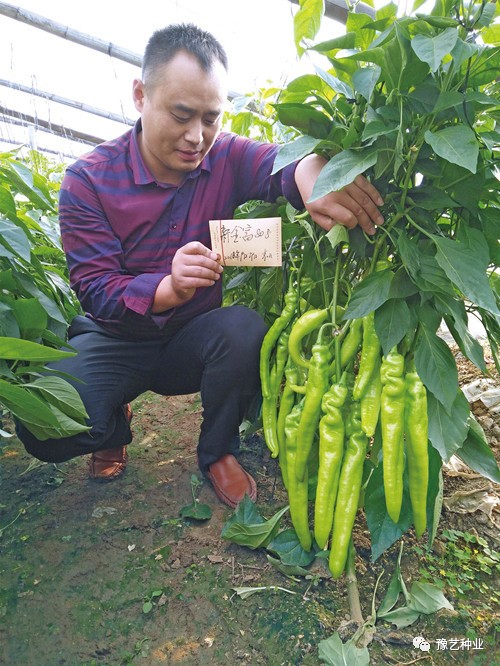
(216, 353)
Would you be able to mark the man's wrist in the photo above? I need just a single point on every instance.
(167, 297)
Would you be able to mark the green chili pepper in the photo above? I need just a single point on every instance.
(280, 361)
(370, 354)
(370, 402)
(351, 476)
(417, 451)
(392, 408)
(272, 336)
(317, 385)
(270, 426)
(351, 342)
(304, 325)
(297, 490)
(287, 402)
(331, 451)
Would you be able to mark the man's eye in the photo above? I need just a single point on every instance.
(180, 119)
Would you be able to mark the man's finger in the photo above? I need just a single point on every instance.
(364, 184)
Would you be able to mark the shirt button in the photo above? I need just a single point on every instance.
(174, 226)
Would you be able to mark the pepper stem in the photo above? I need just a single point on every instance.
(352, 586)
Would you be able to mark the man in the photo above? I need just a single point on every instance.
(134, 224)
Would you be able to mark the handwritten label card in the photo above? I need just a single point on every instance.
(247, 242)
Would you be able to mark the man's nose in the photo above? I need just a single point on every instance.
(194, 132)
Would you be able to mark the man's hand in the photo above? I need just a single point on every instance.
(355, 204)
(193, 266)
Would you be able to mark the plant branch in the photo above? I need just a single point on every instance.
(352, 586)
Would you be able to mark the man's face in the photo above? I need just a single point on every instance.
(181, 113)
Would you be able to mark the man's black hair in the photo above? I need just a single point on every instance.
(164, 45)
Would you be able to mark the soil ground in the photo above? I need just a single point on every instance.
(79, 559)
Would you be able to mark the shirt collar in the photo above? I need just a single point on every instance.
(142, 175)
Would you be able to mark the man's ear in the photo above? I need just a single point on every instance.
(138, 94)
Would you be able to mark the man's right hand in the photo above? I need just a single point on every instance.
(194, 265)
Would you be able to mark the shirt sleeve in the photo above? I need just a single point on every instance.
(95, 256)
(253, 163)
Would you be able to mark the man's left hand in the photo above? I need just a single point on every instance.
(355, 204)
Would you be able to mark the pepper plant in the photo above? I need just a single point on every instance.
(413, 103)
(36, 302)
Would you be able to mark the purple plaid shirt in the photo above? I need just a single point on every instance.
(120, 228)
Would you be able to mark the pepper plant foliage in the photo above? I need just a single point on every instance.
(413, 103)
(36, 303)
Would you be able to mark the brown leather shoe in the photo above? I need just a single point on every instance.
(109, 464)
(230, 481)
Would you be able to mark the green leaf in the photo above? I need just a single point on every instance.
(8, 323)
(394, 589)
(447, 431)
(457, 144)
(305, 118)
(346, 41)
(383, 531)
(436, 366)
(410, 254)
(341, 170)
(14, 238)
(21, 179)
(402, 286)
(61, 394)
(7, 203)
(369, 294)
(392, 320)
(461, 52)
(365, 79)
(426, 598)
(431, 198)
(485, 67)
(431, 277)
(465, 265)
(290, 570)
(337, 234)
(27, 407)
(434, 494)
(247, 527)
(48, 303)
(489, 219)
(287, 546)
(196, 511)
(333, 652)
(294, 151)
(477, 454)
(402, 617)
(30, 316)
(338, 86)
(66, 426)
(432, 50)
(14, 349)
(360, 24)
(468, 344)
(307, 21)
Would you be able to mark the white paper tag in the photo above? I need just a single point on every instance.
(245, 242)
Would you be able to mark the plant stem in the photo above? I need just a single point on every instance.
(352, 586)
